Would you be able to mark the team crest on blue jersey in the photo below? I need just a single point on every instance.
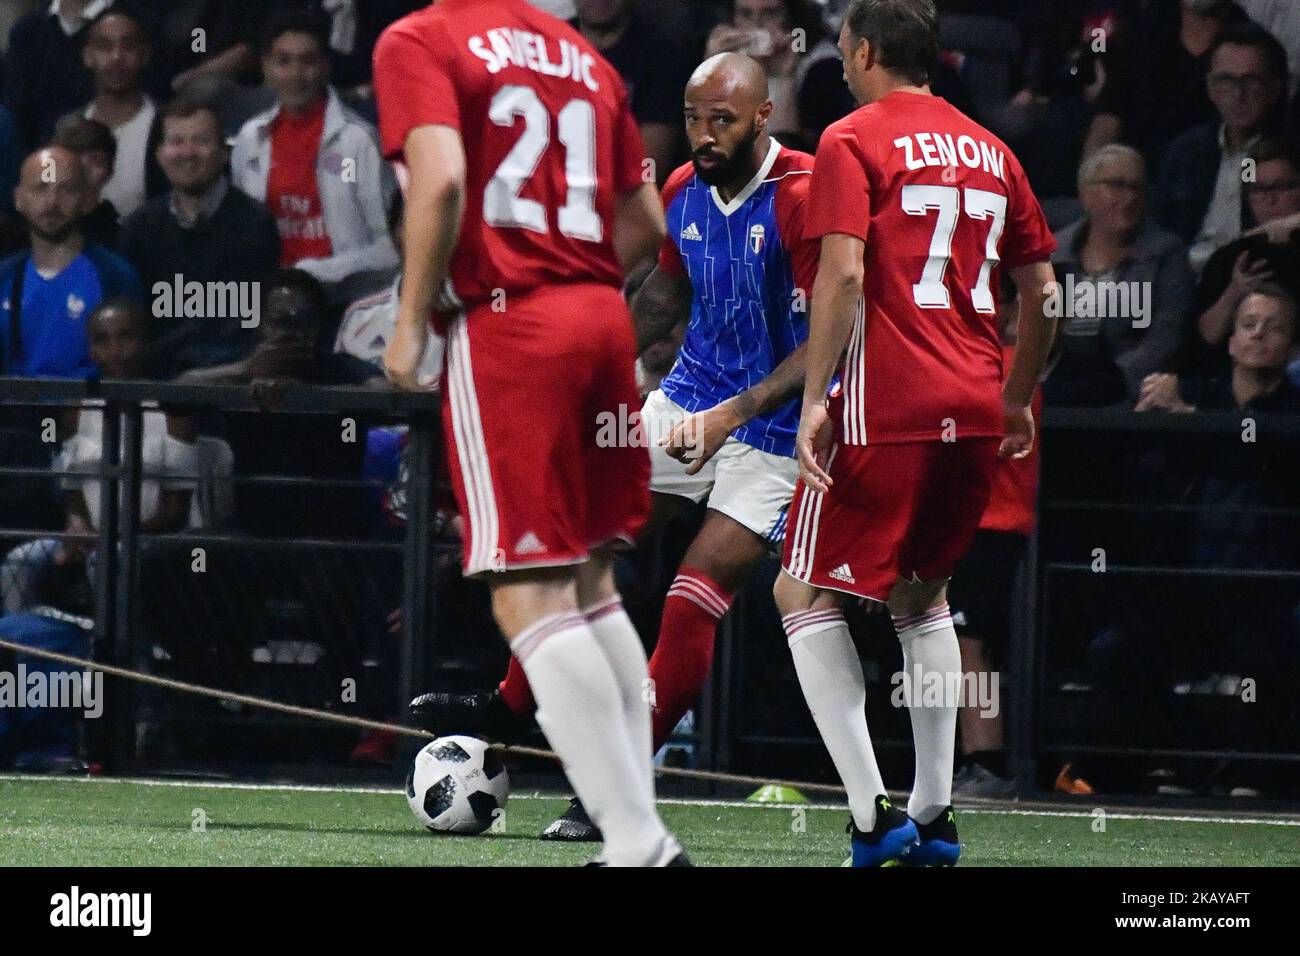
(757, 234)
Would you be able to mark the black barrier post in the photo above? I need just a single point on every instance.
(124, 631)
(106, 575)
(1026, 633)
(418, 557)
(722, 722)
(710, 715)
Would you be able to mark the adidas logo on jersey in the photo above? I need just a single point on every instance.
(842, 573)
(692, 232)
(529, 543)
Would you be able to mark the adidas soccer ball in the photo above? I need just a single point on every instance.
(457, 785)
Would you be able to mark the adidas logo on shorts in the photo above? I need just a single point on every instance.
(692, 232)
(842, 573)
(529, 543)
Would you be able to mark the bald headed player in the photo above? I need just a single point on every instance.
(739, 266)
(48, 291)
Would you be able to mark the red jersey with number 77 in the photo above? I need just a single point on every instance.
(550, 142)
(942, 206)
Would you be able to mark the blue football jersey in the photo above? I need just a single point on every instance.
(751, 272)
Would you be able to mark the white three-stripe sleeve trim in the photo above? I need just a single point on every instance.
(855, 430)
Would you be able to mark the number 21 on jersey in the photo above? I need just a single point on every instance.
(576, 127)
(931, 292)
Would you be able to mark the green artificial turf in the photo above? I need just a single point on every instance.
(63, 822)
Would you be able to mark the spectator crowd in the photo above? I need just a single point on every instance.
(157, 154)
(219, 142)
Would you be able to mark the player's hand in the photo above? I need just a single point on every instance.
(404, 354)
(724, 38)
(73, 550)
(183, 78)
(813, 446)
(1247, 276)
(1018, 437)
(697, 438)
(1279, 230)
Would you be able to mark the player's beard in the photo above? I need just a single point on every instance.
(58, 234)
(733, 167)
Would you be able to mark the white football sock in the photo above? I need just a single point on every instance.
(830, 674)
(930, 648)
(580, 709)
(622, 646)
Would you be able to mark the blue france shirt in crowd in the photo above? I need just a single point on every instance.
(51, 337)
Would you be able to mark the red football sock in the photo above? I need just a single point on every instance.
(515, 690)
(680, 664)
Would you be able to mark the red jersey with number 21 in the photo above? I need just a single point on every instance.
(940, 203)
(550, 141)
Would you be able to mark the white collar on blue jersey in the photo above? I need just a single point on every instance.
(738, 200)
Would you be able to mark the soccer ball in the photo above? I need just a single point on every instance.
(457, 785)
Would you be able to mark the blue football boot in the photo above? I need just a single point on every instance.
(891, 837)
(938, 844)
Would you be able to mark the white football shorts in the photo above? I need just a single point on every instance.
(747, 485)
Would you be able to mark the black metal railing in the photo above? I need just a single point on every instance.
(1167, 557)
(122, 550)
(1106, 480)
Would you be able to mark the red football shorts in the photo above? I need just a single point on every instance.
(904, 511)
(530, 392)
